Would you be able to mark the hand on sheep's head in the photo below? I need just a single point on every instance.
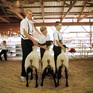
(64, 48)
(49, 43)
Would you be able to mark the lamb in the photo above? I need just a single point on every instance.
(32, 65)
(62, 61)
(48, 64)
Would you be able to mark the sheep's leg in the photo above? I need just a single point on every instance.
(66, 76)
(59, 74)
(36, 77)
(31, 77)
(53, 74)
(27, 85)
(43, 76)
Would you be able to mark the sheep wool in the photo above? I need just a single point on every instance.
(48, 55)
(62, 56)
(34, 56)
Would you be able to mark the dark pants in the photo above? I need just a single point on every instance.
(26, 49)
(42, 50)
(3, 52)
(57, 51)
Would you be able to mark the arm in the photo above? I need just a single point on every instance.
(42, 46)
(35, 29)
(60, 44)
(31, 38)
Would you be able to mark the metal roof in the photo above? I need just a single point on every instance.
(48, 11)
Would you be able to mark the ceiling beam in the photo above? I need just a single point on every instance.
(42, 9)
(81, 12)
(15, 12)
(13, 8)
(4, 19)
(65, 18)
(63, 4)
(52, 24)
(66, 23)
(71, 6)
(85, 16)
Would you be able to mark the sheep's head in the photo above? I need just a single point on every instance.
(72, 50)
(49, 43)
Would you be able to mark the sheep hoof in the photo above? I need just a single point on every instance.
(67, 85)
(56, 85)
(59, 76)
(31, 77)
(36, 86)
(27, 85)
(41, 84)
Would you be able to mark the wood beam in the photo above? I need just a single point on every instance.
(63, 4)
(52, 24)
(42, 9)
(81, 12)
(65, 23)
(85, 16)
(71, 6)
(13, 8)
(65, 18)
(4, 19)
(15, 12)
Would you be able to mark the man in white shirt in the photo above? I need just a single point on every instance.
(27, 40)
(58, 43)
(42, 40)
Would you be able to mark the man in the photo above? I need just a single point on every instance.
(58, 41)
(4, 50)
(27, 40)
(42, 40)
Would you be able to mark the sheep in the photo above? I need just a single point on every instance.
(32, 64)
(48, 64)
(62, 61)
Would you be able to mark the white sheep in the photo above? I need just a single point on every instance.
(48, 65)
(48, 55)
(63, 56)
(35, 56)
(62, 61)
(32, 64)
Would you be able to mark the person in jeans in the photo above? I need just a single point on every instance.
(4, 50)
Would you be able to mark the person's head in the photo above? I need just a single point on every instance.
(4, 42)
(58, 26)
(43, 29)
(28, 14)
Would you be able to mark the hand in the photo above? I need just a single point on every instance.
(35, 43)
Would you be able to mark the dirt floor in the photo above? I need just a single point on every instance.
(80, 79)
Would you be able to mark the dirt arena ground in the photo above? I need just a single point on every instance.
(80, 79)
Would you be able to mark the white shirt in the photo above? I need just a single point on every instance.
(57, 36)
(26, 25)
(42, 39)
(3, 47)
